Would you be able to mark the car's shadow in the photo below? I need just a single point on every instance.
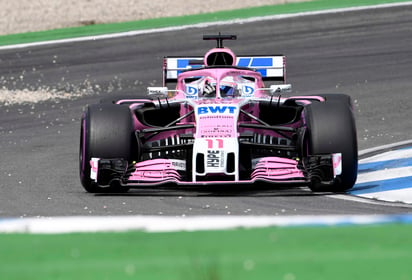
(263, 190)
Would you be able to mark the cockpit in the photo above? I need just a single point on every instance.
(228, 86)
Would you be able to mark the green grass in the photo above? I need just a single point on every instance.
(345, 252)
(99, 29)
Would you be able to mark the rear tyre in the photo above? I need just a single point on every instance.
(106, 132)
(331, 129)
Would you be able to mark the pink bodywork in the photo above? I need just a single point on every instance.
(216, 128)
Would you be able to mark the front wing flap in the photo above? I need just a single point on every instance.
(153, 172)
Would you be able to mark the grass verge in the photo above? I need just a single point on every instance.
(99, 29)
(342, 252)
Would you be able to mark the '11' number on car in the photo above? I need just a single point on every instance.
(210, 144)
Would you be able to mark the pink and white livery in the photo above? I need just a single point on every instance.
(220, 124)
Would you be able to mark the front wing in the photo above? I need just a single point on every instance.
(162, 171)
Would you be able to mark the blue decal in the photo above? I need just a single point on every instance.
(244, 62)
(262, 61)
(202, 110)
(184, 63)
(256, 62)
(248, 90)
(191, 90)
(216, 110)
(263, 72)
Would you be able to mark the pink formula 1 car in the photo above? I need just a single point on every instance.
(220, 124)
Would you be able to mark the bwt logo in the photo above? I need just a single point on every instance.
(216, 110)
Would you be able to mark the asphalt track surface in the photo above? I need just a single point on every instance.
(366, 54)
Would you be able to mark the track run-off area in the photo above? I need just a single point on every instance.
(203, 233)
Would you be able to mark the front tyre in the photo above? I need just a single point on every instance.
(331, 129)
(106, 132)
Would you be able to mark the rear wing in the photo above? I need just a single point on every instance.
(272, 68)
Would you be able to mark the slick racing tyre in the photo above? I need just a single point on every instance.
(331, 129)
(106, 132)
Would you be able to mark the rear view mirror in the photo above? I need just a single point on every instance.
(275, 89)
(157, 92)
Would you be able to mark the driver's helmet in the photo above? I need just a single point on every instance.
(228, 87)
(227, 90)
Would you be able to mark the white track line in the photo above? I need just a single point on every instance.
(203, 25)
(56, 225)
(373, 201)
(398, 198)
(403, 196)
(384, 147)
(386, 174)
